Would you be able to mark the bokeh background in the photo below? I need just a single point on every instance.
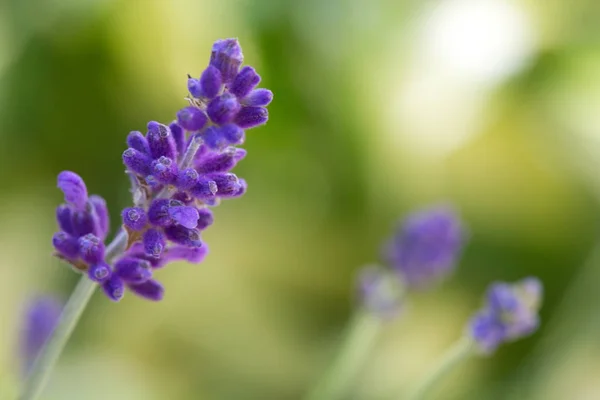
(381, 108)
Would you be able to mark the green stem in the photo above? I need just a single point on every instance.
(459, 352)
(77, 303)
(359, 340)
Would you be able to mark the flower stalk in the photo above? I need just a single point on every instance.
(46, 360)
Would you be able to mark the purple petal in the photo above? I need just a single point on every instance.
(183, 236)
(137, 161)
(66, 245)
(246, 80)
(210, 82)
(249, 117)
(258, 98)
(101, 214)
(99, 272)
(133, 270)
(151, 290)
(185, 216)
(134, 218)
(161, 141)
(74, 188)
(114, 288)
(227, 57)
(223, 109)
(137, 141)
(154, 243)
(91, 248)
(64, 218)
(191, 118)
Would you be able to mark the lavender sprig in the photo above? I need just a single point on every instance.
(177, 171)
(424, 249)
(510, 313)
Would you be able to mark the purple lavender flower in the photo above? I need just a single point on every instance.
(510, 313)
(41, 316)
(84, 223)
(426, 246)
(177, 171)
(424, 249)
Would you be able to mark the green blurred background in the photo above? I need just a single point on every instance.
(381, 108)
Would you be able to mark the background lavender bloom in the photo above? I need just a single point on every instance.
(40, 317)
(426, 246)
(510, 313)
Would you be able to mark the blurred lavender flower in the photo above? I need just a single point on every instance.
(426, 246)
(177, 171)
(40, 317)
(424, 249)
(510, 313)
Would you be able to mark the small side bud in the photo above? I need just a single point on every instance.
(258, 98)
(246, 80)
(205, 218)
(99, 272)
(218, 162)
(101, 214)
(134, 218)
(91, 248)
(249, 117)
(210, 82)
(223, 109)
(150, 290)
(191, 118)
(164, 170)
(83, 223)
(178, 136)
(205, 189)
(137, 141)
(114, 288)
(233, 134)
(63, 216)
(227, 184)
(137, 161)
(158, 212)
(66, 245)
(154, 243)
(227, 57)
(133, 270)
(74, 188)
(161, 141)
(194, 87)
(183, 236)
(213, 138)
(184, 216)
(187, 179)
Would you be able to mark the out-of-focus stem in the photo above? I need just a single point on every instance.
(358, 342)
(46, 360)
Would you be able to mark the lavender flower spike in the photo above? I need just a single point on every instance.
(510, 313)
(41, 316)
(426, 247)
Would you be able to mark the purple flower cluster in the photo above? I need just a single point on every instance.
(177, 172)
(426, 246)
(510, 313)
(424, 249)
